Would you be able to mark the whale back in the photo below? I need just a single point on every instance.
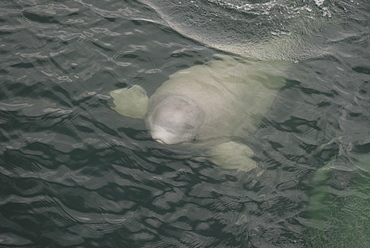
(228, 98)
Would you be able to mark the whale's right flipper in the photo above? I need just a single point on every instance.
(131, 102)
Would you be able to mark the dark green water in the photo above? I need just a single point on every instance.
(74, 173)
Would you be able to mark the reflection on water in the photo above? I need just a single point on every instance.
(75, 173)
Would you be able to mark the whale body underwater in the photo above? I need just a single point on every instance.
(210, 107)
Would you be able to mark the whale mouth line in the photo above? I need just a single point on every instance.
(160, 141)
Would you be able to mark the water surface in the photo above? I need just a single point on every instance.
(74, 173)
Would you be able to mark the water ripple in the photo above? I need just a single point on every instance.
(74, 173)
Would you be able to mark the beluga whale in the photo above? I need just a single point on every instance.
(208, 108)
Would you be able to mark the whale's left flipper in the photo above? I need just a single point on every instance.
(232, 155)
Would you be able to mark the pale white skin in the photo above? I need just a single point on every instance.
(174, 119)
(223, 100)
(227, 97)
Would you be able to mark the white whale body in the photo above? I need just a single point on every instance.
(212, 106)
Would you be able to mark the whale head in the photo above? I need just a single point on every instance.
(174, 119)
